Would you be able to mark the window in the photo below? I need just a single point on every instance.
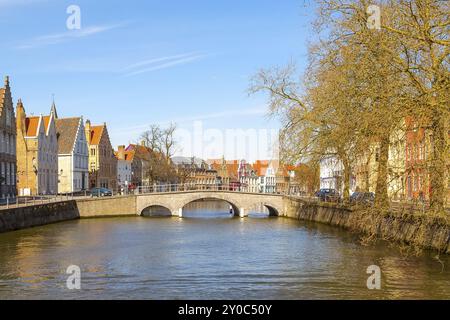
(416, 183)
(7, 143)
(2, 142)
(409, 186)
(8, 176)
(8, 117)
(422, 151)
(3, 173)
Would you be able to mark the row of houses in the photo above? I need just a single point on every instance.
(263, 176)
(410, 150)
(48, 154)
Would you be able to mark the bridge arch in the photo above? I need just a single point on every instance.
(272, 208)
(235, 206)
(273, 212)
(161, 211)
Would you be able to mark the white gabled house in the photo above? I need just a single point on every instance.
(73, 175)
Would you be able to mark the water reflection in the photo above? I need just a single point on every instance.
(208, 208)
(212, 208)
(156, 211)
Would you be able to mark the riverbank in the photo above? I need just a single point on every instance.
(37, 215)
(419, 231)
(46, 213)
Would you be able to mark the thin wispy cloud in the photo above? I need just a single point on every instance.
(66, 36)
(156, 60)
(162, 63)
(109, 64)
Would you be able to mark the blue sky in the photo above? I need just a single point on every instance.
(134, 63)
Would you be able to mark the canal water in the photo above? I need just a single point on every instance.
(210, 255)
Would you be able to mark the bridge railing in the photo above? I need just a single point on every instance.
(24, 201)
(165, 188)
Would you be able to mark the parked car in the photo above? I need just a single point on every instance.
(100, 192)
(327, 195)
(362, 198)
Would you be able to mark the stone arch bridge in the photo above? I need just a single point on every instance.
(242, 203)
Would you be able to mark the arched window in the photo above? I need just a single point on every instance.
(8, 117)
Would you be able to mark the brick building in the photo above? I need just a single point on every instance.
(102, 161)
(8, 168)
(37, 153)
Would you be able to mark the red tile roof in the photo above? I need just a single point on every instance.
(128, 155)
(96, 134)
(260, 167)
(46, 122)
(31, 125)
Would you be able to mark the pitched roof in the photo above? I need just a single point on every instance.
(2, 99)
(140, 151)
(96, 134)
(232, 168)
(66, 130)
(212, 162)
(46, 122)
(260, 167)
(31, 125)
(128, 155)
(2, 95)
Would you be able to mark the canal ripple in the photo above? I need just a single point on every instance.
(195, 258)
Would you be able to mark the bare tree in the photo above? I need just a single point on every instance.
(161, 146)
(362, 84)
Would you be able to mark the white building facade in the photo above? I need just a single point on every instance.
(268, 181)
(124, 168)
(123, 174)
(73, 157)
(332, 175)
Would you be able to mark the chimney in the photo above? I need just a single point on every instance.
(87, 130)
(143, 143)
(7, 82)
(121, 152)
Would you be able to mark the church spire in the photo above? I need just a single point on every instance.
(53, 109)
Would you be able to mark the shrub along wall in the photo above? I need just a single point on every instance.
(419, 230)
